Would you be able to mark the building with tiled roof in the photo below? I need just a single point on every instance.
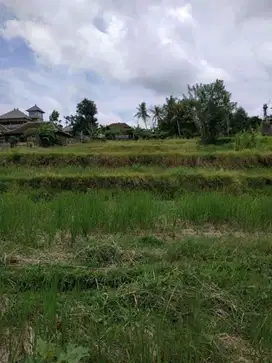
(16, 118)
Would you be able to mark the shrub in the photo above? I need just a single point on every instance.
(246, 140)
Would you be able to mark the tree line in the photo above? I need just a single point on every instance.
(206, 111)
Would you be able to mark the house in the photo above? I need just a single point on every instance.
(16, 123)
(120, 131)
(19, 121)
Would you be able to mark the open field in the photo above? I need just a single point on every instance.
(105, 247)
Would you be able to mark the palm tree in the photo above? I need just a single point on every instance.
(156, 115)
(142, 113)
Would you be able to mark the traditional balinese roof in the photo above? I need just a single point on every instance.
(35, 108)
(68, 129)
(14, 115)
(121, 125)
(22, 128)
(3, 128)
(33, 125)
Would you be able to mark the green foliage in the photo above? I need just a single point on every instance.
(84, 122)
(207, 111)
(239, 121)
(212, 108)
(246, 140)
(177, 118)
(31, 131)
(54, 117)
(47, 135)
(47, 352)
(157, 115)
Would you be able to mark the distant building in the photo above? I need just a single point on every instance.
(120, 131)
(17, 118)
(16, 123)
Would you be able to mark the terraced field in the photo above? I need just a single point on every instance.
(136, 252)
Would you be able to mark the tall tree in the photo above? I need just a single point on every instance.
(177, 118)
(212, 108)
(54, 117)
(84, 121)
(157, 115)
(255, 122)
(239, 121)
(142, 113)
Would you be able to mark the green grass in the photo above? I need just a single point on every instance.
(147, 146)
(150, 264)
(145, 299)
(40, 218)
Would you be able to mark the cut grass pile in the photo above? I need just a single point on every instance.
(142, 298)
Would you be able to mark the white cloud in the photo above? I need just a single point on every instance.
(182, 14)
(143, 50)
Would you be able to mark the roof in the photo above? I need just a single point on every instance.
(63, 133)
(3, 129)
(33, 125)
(121, 125)
(14, 115)
(68, 129)
(21, 129)
(35, 108)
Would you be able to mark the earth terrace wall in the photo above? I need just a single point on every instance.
(227, 160)
(162, 184)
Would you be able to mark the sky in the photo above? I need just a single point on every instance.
(120, 53)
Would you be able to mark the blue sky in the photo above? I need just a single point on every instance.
(57, 52)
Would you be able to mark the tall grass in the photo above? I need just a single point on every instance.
(33, 219)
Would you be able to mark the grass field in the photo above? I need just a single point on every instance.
(148, 146)
(110, 255)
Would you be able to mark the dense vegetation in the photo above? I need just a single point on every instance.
(207, 111)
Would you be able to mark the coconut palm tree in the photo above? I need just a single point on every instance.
(142, 113)
(157, 114)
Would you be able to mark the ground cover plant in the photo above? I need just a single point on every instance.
(136, 262)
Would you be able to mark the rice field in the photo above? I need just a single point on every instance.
(107, 256)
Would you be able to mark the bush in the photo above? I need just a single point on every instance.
(246, 140)
(13, 140)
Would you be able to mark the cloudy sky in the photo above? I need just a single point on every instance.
(121, 52)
